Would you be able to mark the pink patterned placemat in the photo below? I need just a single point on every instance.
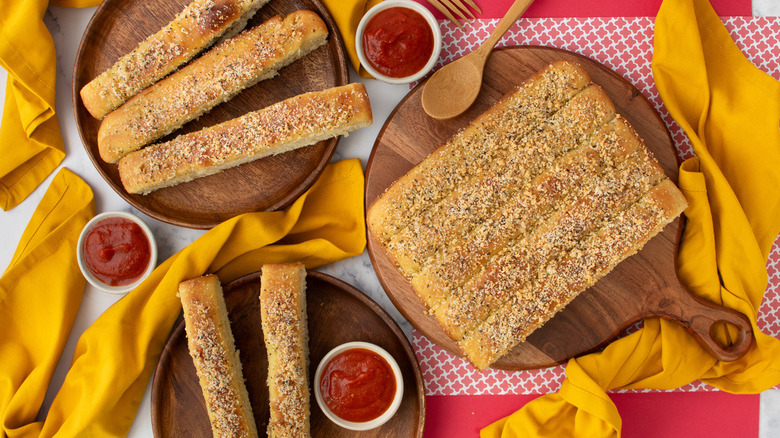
(626, 46)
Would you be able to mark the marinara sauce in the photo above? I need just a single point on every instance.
(116, 251)
(357, 385)
(397, 42)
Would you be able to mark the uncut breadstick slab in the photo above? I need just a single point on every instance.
(213, 78)
(522, 220)
(293, 123)
(283, 313)
(212, 348)
(197, 27)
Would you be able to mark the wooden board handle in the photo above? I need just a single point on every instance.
(699, 317)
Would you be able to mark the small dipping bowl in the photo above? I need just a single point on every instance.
(95, 281)
(394, 404)
(408, 4)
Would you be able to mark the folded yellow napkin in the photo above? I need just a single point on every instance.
(347, 15)
(115, 357)
(30, 140)
(730, 111)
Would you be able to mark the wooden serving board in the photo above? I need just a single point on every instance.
(267, 184)
(642, 286)
(337, 313)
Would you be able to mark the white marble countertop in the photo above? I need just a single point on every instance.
(67, 26)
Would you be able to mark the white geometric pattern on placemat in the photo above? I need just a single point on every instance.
(625, 45)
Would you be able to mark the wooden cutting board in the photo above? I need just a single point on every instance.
(337, 313)
(642, 286)
(267, 184)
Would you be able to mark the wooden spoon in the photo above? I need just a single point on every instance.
(452, 89)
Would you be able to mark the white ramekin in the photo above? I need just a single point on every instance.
(94, 281)
(394, 405)
(409, 4)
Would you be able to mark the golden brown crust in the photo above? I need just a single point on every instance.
(283, 312)
(213, 78)
(449, 166)
(293, 123)
(212, 347)
(197, 27)
(489, 256)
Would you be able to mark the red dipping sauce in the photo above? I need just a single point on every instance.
(397, 42)
(116, 251)
(357, 385)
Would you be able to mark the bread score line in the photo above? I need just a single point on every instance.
(212, 347)
(194, 29)
(285, 332)
(215, 77)
(528, 206)
(300, 121)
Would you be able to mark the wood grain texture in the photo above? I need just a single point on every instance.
(641, 286)
(268, 184)
(337, 312)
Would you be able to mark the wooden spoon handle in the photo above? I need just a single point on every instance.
(699, 317)
(514, 12)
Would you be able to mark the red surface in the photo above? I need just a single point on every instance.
(578, 8)
(649, 415)
(398, 42)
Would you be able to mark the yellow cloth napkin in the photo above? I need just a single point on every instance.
(347, 15)
(730, 111)
(30, 140)
(115, 357)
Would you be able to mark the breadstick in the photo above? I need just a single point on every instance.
(293, 123)
(283, 314)
(212, 347)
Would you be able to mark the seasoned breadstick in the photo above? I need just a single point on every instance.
(454, 163)
(283, 313)
(293, 123)
(216, 360)
(213, 78)
(197, 27)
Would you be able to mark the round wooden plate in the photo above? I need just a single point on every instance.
(337, 313)
(263, 185)
(641, 286)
